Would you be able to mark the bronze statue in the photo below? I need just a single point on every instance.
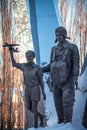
(33, 81)
(64, 68)
(11, 46)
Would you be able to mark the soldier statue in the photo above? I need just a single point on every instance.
(33, 80)
(64, 68)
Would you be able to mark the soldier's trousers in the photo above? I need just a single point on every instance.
(64, 101)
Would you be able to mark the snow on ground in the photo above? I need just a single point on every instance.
(80, 98)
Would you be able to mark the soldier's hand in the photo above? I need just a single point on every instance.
(44, 96)
(51, 83)
(76, 84)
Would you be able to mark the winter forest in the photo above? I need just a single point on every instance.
(22, 23)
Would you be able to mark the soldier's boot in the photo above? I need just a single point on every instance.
(35, 120)
(68, 111)
(41, 119)
(60, 119)
(35, 125)
(60, 114)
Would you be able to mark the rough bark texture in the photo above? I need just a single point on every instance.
(6, 71)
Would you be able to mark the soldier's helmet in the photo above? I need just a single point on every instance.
(61, 31)
(30, 52)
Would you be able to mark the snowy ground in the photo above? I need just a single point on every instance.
(78, 108)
